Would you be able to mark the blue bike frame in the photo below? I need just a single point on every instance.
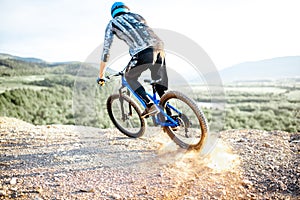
(170, 121)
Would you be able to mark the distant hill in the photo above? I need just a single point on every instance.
(29, 59)
(269, 69)
(11, 65)
(275, 68)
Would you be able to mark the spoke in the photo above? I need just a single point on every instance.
(130, 121)
(189, 130)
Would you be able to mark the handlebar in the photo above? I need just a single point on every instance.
(116, 74)
(121, 73)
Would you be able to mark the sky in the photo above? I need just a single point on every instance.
(230, 31)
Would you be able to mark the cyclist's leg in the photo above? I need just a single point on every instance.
(158, 71)
(143, 62)
(134, 71)
(132, 74)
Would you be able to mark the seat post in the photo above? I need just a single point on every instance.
(153, 88)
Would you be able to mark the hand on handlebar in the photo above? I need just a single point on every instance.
(100, 81)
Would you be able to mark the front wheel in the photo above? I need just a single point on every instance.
(192, 128)
(125, 115)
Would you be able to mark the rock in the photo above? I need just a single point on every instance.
(88, 190)
(4, 164)
(13, 189)
(13, 181)
(116, 196)
(38, 198)
(282, 185)
(15, 194)
(241, 140)
(38, 190)
(267, 145)
(2, 193)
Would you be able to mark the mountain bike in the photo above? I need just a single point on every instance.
(186, 125)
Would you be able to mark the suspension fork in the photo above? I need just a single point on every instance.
(130, 108)
(121, 99)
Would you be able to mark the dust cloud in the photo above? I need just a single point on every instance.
(215, 174)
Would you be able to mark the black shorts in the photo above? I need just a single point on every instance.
(143, 61)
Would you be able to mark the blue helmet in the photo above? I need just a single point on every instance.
(118, 7)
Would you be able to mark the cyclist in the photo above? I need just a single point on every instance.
(145, 48)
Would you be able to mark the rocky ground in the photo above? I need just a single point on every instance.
(68, 162)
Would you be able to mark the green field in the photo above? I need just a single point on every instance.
(68, 94)
(272, 105)
(19, 82)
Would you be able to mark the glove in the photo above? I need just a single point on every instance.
(100, 81)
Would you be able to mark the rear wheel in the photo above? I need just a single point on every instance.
(192, 128)
(125, 115)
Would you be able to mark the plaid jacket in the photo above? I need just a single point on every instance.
(133, 29)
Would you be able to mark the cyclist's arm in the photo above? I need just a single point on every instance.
(102, 69)
(108, 39)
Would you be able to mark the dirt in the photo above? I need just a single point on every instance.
(69, 162)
